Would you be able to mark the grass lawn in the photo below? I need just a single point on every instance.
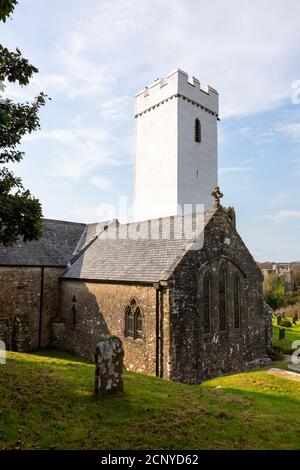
(291, 334)
(46, 402)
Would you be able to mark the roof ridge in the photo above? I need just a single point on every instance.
(207, 212)
(63, 221)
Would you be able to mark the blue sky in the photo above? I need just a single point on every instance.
(94, 55)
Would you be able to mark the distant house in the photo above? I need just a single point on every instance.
(283, 270)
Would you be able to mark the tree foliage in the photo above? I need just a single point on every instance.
(6, 8)
(20, 212)
(274, 291)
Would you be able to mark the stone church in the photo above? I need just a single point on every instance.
(178, 286)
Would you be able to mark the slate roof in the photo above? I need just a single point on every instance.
(89, 234)
(117, 254)
(55, 247)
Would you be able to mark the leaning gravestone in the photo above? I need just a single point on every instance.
(109, 366)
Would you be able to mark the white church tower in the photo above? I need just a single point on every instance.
(176, 156)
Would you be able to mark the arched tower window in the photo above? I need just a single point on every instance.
(236, 300)
(222, 299)
(197, 130)
(206, 303)
(133, 320)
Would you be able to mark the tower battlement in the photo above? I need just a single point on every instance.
(177, 84)
(176, 146)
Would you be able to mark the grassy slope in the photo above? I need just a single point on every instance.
(291, 334)
(47, 402)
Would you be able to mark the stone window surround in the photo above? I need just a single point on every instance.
(134, 308)
(236, 300)
(223, 297)
(214, 274)
(207, 275)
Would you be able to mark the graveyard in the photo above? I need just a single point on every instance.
(290, 335)
(47, 402)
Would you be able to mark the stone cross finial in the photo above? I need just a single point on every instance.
(217, 195)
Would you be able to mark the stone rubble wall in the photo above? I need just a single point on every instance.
(196, 356)
(20, 302)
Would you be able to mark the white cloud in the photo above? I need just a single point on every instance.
(49, 84)
(78, 151)
(245, 130)
(93, 214)
(88, 136)
(102, 183)
(283, 216)
(291, 130)
(78, 161)
(128, 43)
(117, 108)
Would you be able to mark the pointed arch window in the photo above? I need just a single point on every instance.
(222, 298)
(206, 303)
(74, 315)
(129, 319)
(133, 320)
(138, 324)
(197, 130)
(237, 300)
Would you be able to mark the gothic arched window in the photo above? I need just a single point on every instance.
(74, 315)
(222, 298)
(197, 130)
(138, 330)
(129, 322)
(236, 300)
(206, 303)
(133, 320)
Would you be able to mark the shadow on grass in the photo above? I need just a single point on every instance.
(52, 401)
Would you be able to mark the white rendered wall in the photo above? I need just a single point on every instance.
(170, 167)
(197, 161)
(156, 163)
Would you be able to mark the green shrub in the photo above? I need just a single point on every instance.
(274, 291)
(275, 353)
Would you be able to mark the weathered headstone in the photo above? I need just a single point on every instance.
(279, 318)
(109, 366)
(281, 333)
(269, 312)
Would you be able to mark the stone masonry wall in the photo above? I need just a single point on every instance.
(100, 309)
(50, 302)
(20, 301)
(196, 356)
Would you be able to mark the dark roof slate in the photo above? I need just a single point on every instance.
(55, 247)
(115, 256)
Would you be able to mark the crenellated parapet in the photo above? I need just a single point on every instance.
(177, 85)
